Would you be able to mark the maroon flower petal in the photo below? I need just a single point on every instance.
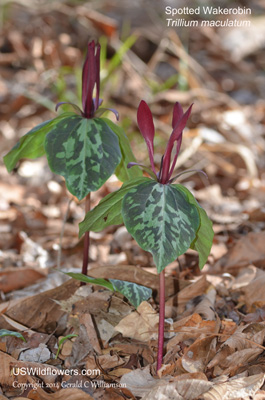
(147, 129)
(177, 114)
(176, 135)
(90, 77)
(97, 61)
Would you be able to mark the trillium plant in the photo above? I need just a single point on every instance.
(162, 216)
(86, 149)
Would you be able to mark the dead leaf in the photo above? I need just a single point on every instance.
(18, 278)
(69, 394)
(247, 250)
(187, 389)
(88, 323)
(40, 354)
(141, 324)
(235, 388)
(257, 316)
(105, 361)
(82, 346)
(41, 312)
(180, 299)
(254, 291)
(249, 337)
(139, 381)
(205, 307)
(197, 355)
(194, 326)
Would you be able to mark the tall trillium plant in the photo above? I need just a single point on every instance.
(82, 147)
(162, 216)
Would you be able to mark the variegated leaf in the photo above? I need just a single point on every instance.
(204, 236)
(108, 211)
(122, 172)
(85, 151)
(161, 220)
(132, 291)
(31, 145)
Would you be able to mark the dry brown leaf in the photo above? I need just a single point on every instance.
(188, 389)
(235, 388)
(257, 316)
(41, 312)
(247, 250)
(6, 376)
(260, 395)
(180, 300)
(87, 321)
(105, 361)
(141, 324)
(241, 358)
(205, 308)
(105, 24)
(139, 381)
(249, 337)
(246, 276)
(15, 398)
(194, 326)
(254, 291)
(118, 372)
(127, 349)
(81, 348)
(197, 355)
(18, 278)
(69, 394)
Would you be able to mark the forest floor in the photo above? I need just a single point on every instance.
(215, 329)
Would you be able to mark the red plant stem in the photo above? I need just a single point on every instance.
(86, 241)
(161, 319)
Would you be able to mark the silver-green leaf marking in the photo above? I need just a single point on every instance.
(84, 151)
(132, 291)
(108, 211)
(161, 220)
(204, 236)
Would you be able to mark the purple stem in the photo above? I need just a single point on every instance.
(161, 319)
(86, 241)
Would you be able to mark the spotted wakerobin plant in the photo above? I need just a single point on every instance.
(82, 147)
(163, 217)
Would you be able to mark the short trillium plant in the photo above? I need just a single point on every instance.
(82, 147)
(163, 217)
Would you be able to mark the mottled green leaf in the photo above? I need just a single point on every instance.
(161, 220)
(133, 292)
(108, 211)
(31, 145)
(87, 279)
(204, 236)
(85, 151)
(5, 332)
(122, 172)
